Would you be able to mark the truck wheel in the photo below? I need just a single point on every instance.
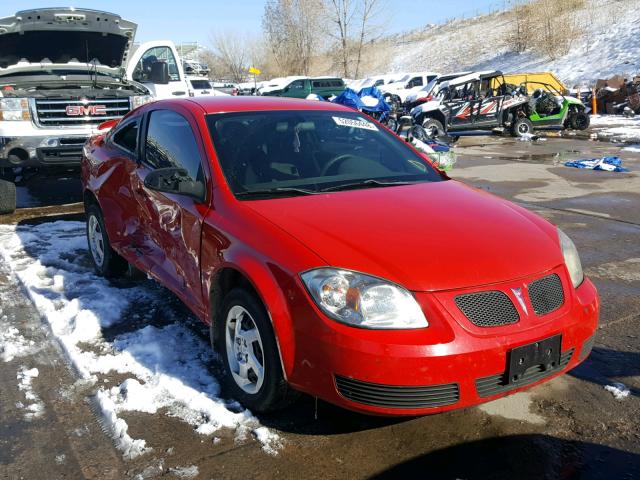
(580, 121)
(105, 260)
(522, 127)
(7, 197)
(433, 128)
(247, 345)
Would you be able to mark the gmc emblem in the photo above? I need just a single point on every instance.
(79, 110)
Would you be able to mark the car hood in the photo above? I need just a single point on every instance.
(64, 35)
(426, 237)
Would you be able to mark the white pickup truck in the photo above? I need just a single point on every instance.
(64, 71)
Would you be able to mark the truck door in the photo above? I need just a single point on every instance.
(297, 89)
(463, 103)
(143, 68)
(172, 221)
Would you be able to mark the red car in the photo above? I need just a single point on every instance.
(330, 257)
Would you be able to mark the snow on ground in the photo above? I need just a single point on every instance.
(33, 405)
(608, 45)
(617, 128)
(167, 366)
(618, 390)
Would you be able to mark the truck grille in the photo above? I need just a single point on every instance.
(393, 396)
(546, 294)
(71, 113)
(488, 309)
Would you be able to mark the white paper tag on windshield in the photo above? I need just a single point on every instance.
(351, 122)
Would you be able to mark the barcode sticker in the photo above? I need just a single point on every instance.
(351, 122)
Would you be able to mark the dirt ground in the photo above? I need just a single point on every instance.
(568, 428)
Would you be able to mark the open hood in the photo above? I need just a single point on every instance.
(61, 36)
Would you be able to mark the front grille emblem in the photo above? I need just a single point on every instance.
(518, 293)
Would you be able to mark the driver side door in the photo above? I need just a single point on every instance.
(172, 221)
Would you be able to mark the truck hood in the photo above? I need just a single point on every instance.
(426, 237)
(63, 36)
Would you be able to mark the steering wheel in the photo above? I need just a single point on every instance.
(335, 161)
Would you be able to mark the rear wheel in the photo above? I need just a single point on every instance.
(253, 373)
(105, 260)
(580, 121)
(522, 127)
(433, 128)
(7, 197)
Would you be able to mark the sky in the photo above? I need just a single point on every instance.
(194, 21)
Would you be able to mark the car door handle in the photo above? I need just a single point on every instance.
(177, 93)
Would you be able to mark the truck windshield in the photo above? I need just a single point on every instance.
(276, 153)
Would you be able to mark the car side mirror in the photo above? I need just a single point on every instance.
(159, 73)
(175, 180)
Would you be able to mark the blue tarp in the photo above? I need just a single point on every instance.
(609, 164)
(352, 99)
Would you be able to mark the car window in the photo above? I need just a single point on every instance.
(297, 85)
(415, 82)
(200, 84)
(142, 72)
(170, 142)
(127, 136)
(310, 150)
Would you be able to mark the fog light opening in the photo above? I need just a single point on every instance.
(18, 156)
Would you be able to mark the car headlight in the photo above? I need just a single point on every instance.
(14, 109)
(571, 259)
(140, 100)
(362, 300)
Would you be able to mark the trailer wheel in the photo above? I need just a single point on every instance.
(580, 121)
(522, 127)
(7, 197)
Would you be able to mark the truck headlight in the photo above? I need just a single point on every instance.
(14, 109)
(139, 100)
(571, 259)
(362, 300)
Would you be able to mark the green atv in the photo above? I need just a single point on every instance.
(551, 109)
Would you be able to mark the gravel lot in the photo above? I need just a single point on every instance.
(571, 427)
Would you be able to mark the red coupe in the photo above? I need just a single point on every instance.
(330, 257)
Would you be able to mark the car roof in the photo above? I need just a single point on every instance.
(250, 103)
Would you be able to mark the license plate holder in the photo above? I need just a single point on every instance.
(544, 352)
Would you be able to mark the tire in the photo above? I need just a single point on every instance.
(522, 127)
(7, 197)
(106, 261)
(433, 128)
(261, 392)
(580, 121)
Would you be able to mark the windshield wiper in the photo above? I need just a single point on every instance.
(275, 192)
(367, 184)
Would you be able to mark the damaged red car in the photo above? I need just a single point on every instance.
(330, 257)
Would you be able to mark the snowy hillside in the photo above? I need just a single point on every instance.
(608, 44)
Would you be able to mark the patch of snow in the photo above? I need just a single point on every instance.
(12, 343)
(166, 367)
(34, 406)
(619, 390)
(185, 472)
(632, 148)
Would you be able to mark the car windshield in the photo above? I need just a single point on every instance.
(283, 153)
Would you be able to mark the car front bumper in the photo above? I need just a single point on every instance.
(449, 365)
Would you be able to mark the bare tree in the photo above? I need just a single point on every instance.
(232, 55)
(294, 30)
(354, 27)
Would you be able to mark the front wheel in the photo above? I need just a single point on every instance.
(433, 128)
(105, 260)
(253, 373)
(522, 127)
(8, 197)
(580, 121)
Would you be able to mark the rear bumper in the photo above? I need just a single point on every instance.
(443, 367)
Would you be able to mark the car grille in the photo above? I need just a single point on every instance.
(488, 309)
(494, 384)
(393, 396)
(50, 112)
(546, 294)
